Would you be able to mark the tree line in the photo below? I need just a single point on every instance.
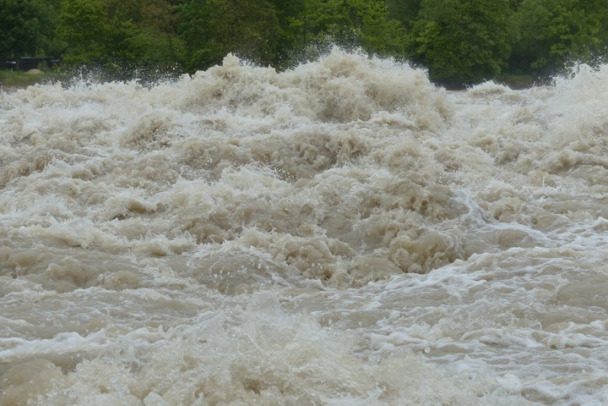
(459, 41)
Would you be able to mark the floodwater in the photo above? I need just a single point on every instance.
(343, 233)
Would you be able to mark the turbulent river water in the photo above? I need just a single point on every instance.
(343, 233)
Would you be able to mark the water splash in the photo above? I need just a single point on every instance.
(344, 232)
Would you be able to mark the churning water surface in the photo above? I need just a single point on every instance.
(343, 233)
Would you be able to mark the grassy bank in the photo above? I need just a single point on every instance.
(19, 79)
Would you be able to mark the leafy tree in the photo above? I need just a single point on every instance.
(287, 12)
(552, 32)
(351, 23)
(158, 26)
(146, 32)
(404, 10)
(119, 35)
(462, 41)
(26, 28)
(212, 28)
(84, 28)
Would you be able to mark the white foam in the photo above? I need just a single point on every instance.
(344, 232)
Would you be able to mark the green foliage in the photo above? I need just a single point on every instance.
(161, 43)
(459, 41)
(404, 11)
(118, 34)
(462, 40)
(552, 32)
(84, 29)
(212, 28)
(26, 28)
(18, 79)
(350, 23)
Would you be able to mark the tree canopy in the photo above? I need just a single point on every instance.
(462, 39)
(26, 27)
(554, 31)
(212, 28)
(459, 41)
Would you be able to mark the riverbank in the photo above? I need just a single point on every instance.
(20, 79)
(10, 80)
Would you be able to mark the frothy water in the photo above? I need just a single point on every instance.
(344, 233)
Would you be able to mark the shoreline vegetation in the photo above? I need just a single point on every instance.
(14, 80)
(18, 79)
(460, 42)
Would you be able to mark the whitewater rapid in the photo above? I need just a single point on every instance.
(343, 233)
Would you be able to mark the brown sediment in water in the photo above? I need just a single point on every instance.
(341, 232)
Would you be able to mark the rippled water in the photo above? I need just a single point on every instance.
(344, 233)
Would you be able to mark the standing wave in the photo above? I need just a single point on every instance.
(344, 232)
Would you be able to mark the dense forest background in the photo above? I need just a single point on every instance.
(459, 41)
